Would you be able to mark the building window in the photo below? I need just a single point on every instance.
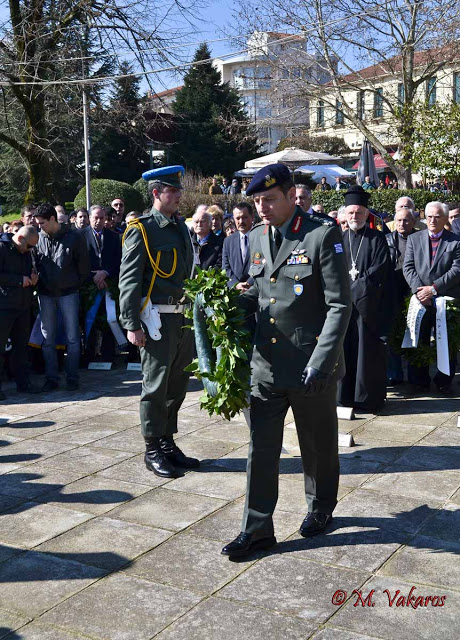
(401, 94)
(338, 112)
(431, 91)
(320, 114)
(361, 105)
(456, 95)
(378, 103)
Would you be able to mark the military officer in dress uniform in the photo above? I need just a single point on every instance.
(157, 258)
(301, 294)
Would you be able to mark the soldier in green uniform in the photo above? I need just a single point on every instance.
(301, 294)
(157, 258)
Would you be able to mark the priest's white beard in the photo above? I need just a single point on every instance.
(355, 225)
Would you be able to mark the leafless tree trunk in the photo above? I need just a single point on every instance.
(44, 44)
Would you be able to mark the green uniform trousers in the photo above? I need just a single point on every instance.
(164, 381)
(317, 430)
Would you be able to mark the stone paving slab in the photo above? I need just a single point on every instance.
(33, 582)
(329, 633)
(401, 622)
(92, 545)
(35, 631)
(173, 510)
(429, 484)
(292, 586)
(145, 608)
(31, 523)
(94, 494)
(10, 621)
(428, 560)
(216, 618)
(209, 482)
(106, 542)
(187, 562)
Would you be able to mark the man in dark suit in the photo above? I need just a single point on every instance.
(207, 246)
(104, 248)
(235, 252)
(397, 243)
(432, 268)
(301, 294)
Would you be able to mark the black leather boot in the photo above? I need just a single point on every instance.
(175, 455)
(157, 461)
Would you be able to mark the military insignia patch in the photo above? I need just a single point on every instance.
(297, 224)
(269, 181)
(298, 289)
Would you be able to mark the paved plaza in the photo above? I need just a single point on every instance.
(92, 545)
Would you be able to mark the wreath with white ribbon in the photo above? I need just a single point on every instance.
(222, 343)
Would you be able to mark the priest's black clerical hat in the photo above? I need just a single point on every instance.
(356, 195)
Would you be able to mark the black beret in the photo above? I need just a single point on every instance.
(273, 175)
(356, 195)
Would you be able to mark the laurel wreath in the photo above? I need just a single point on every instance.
(226, 345)
(424, 354)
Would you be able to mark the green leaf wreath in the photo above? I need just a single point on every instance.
(229, 344)
(424, 354)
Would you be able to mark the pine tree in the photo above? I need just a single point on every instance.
(214, 134)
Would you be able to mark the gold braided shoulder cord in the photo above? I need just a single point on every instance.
(155, 263)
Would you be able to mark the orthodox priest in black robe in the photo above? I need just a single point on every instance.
(364, 384)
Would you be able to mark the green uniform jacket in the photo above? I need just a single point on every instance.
(163, 235)
(302, 301)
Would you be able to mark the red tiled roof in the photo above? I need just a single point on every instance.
(448, 54)
(168, 92)
(291, 36)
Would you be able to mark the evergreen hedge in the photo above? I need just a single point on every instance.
(104, 191)
(384, 200)
(141, 185)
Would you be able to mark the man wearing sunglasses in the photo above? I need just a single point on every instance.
(17, 279)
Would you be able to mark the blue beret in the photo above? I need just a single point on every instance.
(273, 175)
(167, 175)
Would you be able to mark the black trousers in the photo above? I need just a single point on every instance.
(316, 423)
(15, 323)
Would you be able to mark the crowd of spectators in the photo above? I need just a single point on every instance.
(59, 273)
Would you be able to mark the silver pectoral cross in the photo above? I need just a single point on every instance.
(354, 273)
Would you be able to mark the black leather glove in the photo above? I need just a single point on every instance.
(315, 381)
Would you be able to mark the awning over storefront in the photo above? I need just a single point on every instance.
(379, 162)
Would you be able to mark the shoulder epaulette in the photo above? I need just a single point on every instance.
(327, 223)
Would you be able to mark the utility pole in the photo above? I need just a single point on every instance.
(86, 146)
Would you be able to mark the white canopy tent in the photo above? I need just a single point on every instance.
(331, 171)
(293, 158)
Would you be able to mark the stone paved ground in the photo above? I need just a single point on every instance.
(94, 546)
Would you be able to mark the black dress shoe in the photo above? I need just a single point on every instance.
(175, 455)
(157, 462)
(245, 544)
(314, 523)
